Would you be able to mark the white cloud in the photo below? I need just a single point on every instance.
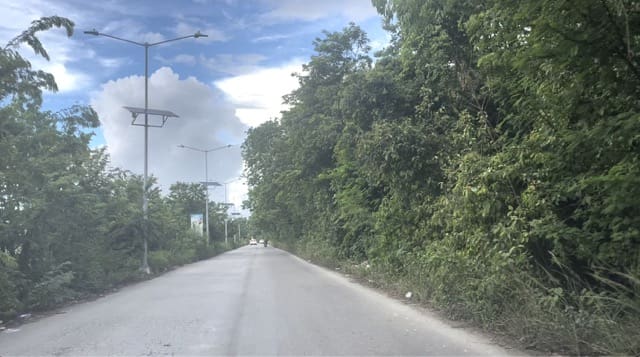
(181, 58)
(111, 63)
(66, 79)
(379, 40)
(184, 28)
(61, 53)
(206, 121)
(270, 38)
(232, 64)
(15, 17)
(287, 10)
(130, 30)
(184, 58)
(258, 95)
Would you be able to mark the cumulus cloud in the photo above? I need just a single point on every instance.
(258, 94)
(207, 120)
(61, 52)
(66, 79)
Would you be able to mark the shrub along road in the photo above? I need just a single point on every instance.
(253, 300)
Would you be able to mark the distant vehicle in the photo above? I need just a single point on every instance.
(253, 242)
(261, 241)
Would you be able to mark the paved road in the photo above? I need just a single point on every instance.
(253, 300)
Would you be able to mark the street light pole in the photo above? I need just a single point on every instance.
(237, 214)
(145, 205)
(145, 199)
(226, 235)
(206, 180)
(226, 239)
(206, 190)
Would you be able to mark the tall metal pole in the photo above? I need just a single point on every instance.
(225, 231)
(146, 45)
(225, 215)
(206, 187)
(145, 204)
(206, 181)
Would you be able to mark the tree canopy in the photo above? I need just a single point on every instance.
(70, 223)
(489, 156)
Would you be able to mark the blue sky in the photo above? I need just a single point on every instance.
(220, 85)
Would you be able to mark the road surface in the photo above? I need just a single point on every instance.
(250, 301)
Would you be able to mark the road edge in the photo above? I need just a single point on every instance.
(492, 343)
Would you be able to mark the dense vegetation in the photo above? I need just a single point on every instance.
(487, 160)
(70, 224)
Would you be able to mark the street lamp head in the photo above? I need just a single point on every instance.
(92, 32)
(199, 34)
(181, 146)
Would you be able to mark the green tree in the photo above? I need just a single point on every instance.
(69, 224)
(186, 199)
(493, 144)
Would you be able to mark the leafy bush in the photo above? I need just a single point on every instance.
(160, 260)
(318, 251)
(9, 302)
(52, 289)
(9, 276)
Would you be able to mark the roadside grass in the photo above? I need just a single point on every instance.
(575, 319)
(544, 313)
(57, 291)
(163, 260)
